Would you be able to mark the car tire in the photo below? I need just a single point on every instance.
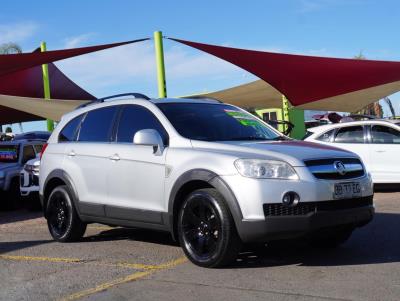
(62, 219)
(13, 196)
(332, 238)
(206, 229)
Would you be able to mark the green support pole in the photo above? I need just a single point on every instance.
(158, 44)
(285, 110)
(46, 86)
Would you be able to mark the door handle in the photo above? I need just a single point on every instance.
(381, 151)
(114, 157)
(72, 154)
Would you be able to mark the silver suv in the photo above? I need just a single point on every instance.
(211, 174)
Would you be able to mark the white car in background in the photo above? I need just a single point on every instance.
(377, 142)
(29, 183)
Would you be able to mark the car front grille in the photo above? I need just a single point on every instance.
(325, 168)
(310, 207)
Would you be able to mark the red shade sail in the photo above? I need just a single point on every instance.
(29, 83)
(21, 75)
(306, 80)
(15, 62)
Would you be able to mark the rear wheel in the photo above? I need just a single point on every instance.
(206, 229)
(62, 219)
(331, 238)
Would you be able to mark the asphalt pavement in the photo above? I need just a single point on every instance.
(130, 264)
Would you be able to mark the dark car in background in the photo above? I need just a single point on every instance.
(13, 156)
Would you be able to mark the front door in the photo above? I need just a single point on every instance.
(137, 177)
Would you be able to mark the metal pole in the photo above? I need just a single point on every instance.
(158, 44)
(285, 110)
(46, 86)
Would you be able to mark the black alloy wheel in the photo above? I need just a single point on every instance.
(62, 219)
(206, 229)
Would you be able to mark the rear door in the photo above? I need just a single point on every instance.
(353, 138)
(87, 159)
(384, 150)
(136, 180)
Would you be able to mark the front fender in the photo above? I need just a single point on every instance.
(213, 180)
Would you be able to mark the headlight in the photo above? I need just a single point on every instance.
(34, 169)
(265, 169)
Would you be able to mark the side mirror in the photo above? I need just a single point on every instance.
(150, 137)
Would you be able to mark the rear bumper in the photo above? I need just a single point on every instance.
(286, 227)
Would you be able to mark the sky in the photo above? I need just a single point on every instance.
(335, 28)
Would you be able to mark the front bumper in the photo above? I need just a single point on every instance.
(292, 226)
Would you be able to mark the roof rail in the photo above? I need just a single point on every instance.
(100, 100)
(203, 97)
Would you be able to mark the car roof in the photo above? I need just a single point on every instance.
(325, 127)
(22, 141)
(139, 101)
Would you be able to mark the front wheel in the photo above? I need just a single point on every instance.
(206, 229)
(62, 219)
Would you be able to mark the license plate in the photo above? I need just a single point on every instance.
(347, 190)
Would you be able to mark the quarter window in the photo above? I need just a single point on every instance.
(350, 134)
(68, 133)
(384, 135)
(97, 125)
(135, 118)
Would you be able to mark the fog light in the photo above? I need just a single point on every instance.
(290, 198)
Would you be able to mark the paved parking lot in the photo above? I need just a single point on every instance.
(127, 264)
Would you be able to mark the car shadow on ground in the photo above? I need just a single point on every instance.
(148, 236)
(6, 247)
(375, 243)
(7, 217)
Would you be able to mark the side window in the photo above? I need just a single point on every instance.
(326, 137)
(135, 118)
(350, 134)
(97, 125)
(68, 133)
(28, 153)
(38, 148)
(384, 135)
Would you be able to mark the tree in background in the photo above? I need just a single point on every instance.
(10, 48)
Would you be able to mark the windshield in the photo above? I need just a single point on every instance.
(215, 122)
(9, 153)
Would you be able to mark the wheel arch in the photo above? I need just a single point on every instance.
(196, 179)
(57, 178)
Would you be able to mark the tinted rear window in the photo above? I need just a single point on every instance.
(97, 125)
(9, 153)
